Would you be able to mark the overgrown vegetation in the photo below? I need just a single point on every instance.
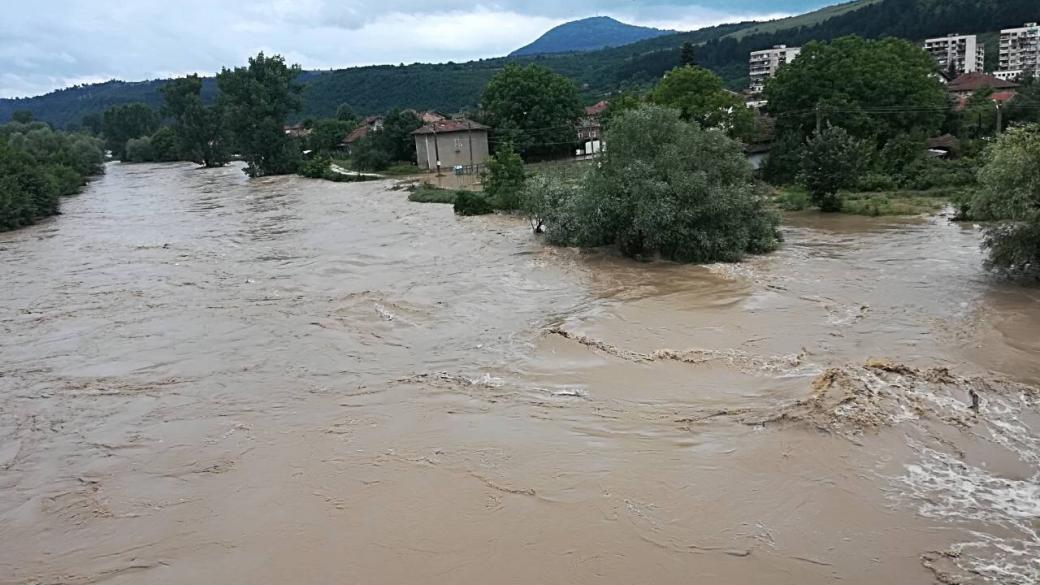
(665, 188)
(39, 166)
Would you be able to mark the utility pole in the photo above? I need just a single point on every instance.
(819, 118)
(1000, 119)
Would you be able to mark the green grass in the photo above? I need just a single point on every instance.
(567, 171)
(872, 204)
(427, 193)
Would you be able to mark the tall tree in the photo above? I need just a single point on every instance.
(687, 57)
(533, 108)
(700, 97)
(199, 129)
(256, 101)
(873, 89)
(345, 113)
(121, 123)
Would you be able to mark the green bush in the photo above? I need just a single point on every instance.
(139, 150)
(877, 182)
(793, 200)
(665, 188)
(429, 194)
(504, 181)
(832, 160)
(470, 203)
(316, 167)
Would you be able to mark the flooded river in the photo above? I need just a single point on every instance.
(206, 379)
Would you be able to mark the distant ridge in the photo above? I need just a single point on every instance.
(588, 34)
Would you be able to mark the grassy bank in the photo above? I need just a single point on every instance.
(427, 193)
(898, 202)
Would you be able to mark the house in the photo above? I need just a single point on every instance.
(296, 131)
(965, 86)
(369, 124)
(450, 144)
(590, 129)
(431, 116)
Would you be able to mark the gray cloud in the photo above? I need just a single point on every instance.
(48, 44)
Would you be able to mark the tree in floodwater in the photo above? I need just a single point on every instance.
(256, 101)
(199, 129)
(832, 160)
(121, 123)
(1010, 191)
(665, 188)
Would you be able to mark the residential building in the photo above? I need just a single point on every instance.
(764, 64)
(1020, 50)
(369, 124)
(589, 126)
(958, 54)
(451, 143)
(966, 85)
(431, 116)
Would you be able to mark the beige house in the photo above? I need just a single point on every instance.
(447, 144)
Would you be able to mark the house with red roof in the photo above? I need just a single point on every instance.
(451, 144)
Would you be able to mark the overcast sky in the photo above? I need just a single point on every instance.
(49, 44)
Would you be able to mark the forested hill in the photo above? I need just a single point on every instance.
(588, 34)
(456, 86)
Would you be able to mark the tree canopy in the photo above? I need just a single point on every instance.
(873, 89)
(121, 123)
(256, 101)
(198, 128)
(533, 108)
(700, 97)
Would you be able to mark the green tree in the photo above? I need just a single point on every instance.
(395, 137)
(22, 116)
(504, 181)
(687, 57)
(368, 155)
(832, 160)
(93, 123)
(876, 89)
(700, 97)
(199, 129)
(121, 123)
(1025, 106)
(1010, 191)
(665, 188)
(164, 145)
(345, 113)
(256, 101)
(533, 108)
(139, 150)
(327, 134)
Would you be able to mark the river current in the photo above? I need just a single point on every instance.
(211, 379)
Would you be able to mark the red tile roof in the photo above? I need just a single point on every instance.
(446, 126)
(975, 81)
(358, 133)
(597, 109)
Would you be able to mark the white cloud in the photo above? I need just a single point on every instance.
(48, 44)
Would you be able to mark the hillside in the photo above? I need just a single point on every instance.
(456, 86)
(588, 34)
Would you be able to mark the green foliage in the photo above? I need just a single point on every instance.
(832, 160)
(850, 79)
(471, 203)
(700, 97)
(327, 134)
(687, 57)
(121, 123)
(93, 123)
(198, 129)
(395, 137)
(427, 193)
(1025, 107)
(875, 181)
(793, 200)
(256, 101)
(664, 188)
(543, 198)
(22, 116)
(38, 166)
(164, 145)
(316, 167)
(368, 155)
(533, 108)
(345, 113)
(785, 159)
(139, 150)
(1010, 190)
(504, 181)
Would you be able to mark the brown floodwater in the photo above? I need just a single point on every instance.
(209, 379)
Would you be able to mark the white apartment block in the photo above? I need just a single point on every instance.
(962, 53)
(765, 64)
(1020, 50)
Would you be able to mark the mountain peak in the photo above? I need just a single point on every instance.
(588, 34)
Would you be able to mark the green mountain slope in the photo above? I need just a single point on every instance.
(588, 34)
(456, 86)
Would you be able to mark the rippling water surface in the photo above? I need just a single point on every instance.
(207, 379)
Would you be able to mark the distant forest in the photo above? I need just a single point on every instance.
(454, 87)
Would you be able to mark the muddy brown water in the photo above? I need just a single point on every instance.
(206, 379)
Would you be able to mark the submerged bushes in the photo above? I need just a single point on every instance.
(665, 188)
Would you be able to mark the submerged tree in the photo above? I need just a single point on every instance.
(256, 101)
(121, 123)
(199, 128)
(1010, 191)
(664, 188)
(832, 160)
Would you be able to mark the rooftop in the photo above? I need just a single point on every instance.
(446, 126)
(975, 81)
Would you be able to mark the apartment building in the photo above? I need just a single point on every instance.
(1020, 51)
(765, 64)
(959, 53)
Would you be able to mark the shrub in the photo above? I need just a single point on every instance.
(793, 200)
(504, 180)
(833, 160)
(316, 167)
(139, 150)
(876, 182)
(470, 203)
(665, 188)
(427, 193)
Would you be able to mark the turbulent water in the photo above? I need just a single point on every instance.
(206, 379)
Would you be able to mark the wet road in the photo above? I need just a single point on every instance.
(210, 379)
